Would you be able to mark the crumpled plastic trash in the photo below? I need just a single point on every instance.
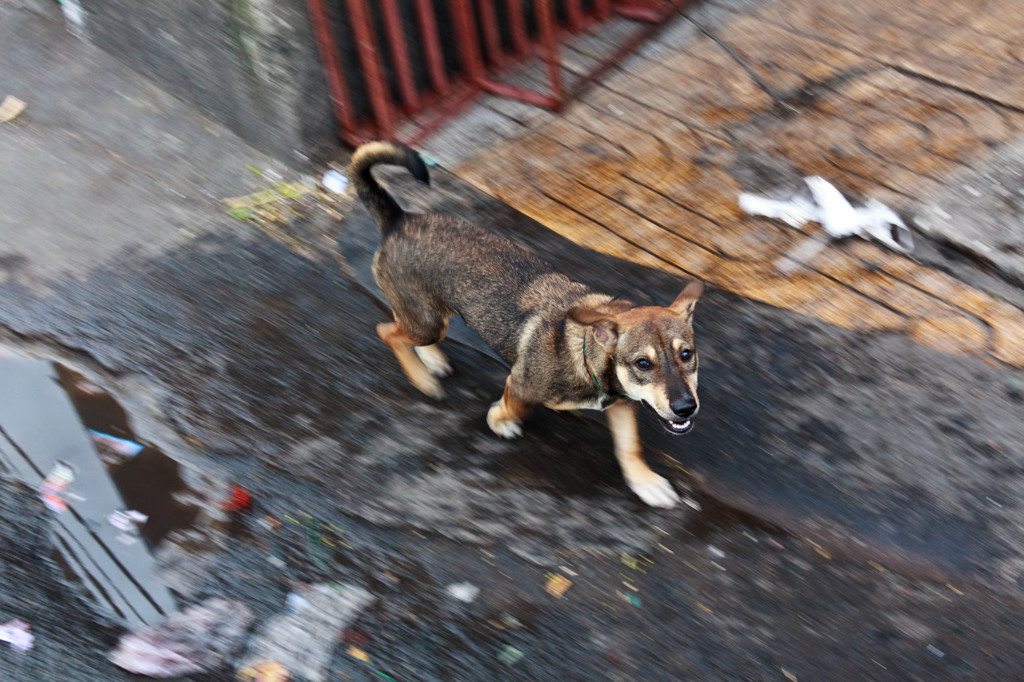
(303, 642)
(18, 634)
(828, 206)
(198, 639)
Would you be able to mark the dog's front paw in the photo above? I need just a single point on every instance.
(434, 360)
(655, 491)
(501, 425)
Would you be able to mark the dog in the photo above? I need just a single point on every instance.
(569, 347)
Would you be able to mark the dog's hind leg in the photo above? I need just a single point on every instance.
(648, 486)
(406, 349)
(506, 416)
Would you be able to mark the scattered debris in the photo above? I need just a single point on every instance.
(120, 446)
(507, 620)
(509, 655)
(935, 651)
(280, 190)
(788, 675)
(715, 552)
(355, 636)
(691, 503)
(239, 499)
(614, 658)
(296, 602)
(557, 585)
(264, 671)
(359, 654)
(270, 523)
(199, 639)
(55, 484)
(335, 182)
(464, 592)
(873, 220)
(127, 521)
(314, 541)
(303, 642)
(130, 524)
(18, 634)
(11, 108)
(75, 16)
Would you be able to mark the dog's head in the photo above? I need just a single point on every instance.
(654, 355)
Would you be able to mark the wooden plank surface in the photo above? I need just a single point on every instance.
(886, 102)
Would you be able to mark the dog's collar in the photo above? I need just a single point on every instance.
(586, 365)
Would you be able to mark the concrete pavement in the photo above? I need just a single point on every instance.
(860, 490)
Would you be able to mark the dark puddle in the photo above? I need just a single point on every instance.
(44, 445)
(148, 481)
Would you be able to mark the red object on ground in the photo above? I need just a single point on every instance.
(240, 499)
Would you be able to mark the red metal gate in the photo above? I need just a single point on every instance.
(411, 77)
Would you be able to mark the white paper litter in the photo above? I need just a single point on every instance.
(335, 182)
(464, 592)
(18, 634)
(828, 206)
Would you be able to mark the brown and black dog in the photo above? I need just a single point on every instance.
(569, 346)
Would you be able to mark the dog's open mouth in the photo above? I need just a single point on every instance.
(674, 425)
(677, 426)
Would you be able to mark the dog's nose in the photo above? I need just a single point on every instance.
(684, 407)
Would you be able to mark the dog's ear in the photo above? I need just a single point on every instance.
(605, 330)
(686, 301)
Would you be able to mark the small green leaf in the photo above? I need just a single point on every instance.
(241, 212)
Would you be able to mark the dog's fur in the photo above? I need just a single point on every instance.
(433, 266)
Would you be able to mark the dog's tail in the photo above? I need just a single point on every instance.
(384, 209)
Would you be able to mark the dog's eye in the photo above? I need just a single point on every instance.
(685, 355)
(643, 364)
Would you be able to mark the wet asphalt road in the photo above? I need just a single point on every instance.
(806, 561)
(859, 494)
